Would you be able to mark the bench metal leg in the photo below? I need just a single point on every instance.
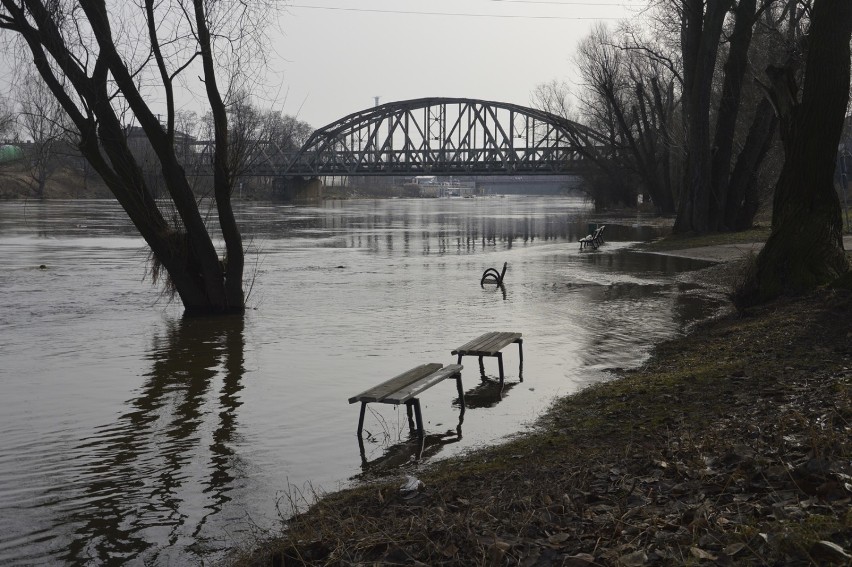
(408, 410)
(360, 430)
(481, 368)
(461, 391)
(361, 419)
(500, 366)
(418, 416)
(459, 360)
(521, 353)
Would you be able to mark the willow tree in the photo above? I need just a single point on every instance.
(805, 247)
(630, 98)
(108, 62)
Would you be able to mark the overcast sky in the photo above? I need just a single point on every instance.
(332, 57)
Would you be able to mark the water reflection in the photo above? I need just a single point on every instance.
(115, 446)
(441, 227)
(487, 394)
(156, 475)
(413, 449)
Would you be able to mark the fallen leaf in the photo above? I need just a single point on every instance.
(557, 539)
(830, 552)
(579, 560)
(635, 559)
(733, 549)
(699, 553)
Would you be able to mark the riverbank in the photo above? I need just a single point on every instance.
(729, 446)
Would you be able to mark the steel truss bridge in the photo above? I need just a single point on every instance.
(436, 136)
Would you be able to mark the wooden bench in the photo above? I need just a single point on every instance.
(594, 240)
(404, 389)
(490, 344)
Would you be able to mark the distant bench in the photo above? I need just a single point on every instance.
(490, 344)
(594, 240)
(404, 389)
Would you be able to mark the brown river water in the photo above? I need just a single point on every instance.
(129, 435)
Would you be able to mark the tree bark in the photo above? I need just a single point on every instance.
(729, 108)
(805, 247)
(700, 34)
(743, 198)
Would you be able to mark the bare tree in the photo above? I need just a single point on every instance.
(553, 97)
(630, 98)
(44, 123)
(719, 186)
(7, 118)
(103, 71)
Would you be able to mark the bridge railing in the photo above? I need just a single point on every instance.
(406, 162)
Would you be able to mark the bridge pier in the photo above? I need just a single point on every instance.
(298, 189)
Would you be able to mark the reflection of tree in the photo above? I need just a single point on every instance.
(140, 486)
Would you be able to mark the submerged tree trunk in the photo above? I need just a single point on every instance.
(100, 90)
(805, 248)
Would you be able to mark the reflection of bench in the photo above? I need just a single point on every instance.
(490, 344)
(405, 388)
(594, 240)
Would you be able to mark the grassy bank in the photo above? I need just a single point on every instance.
(730, 446)
(681, 241)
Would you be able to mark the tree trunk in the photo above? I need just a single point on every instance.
(743, 198)
(805, 248)
(700, 33)
(729, 108)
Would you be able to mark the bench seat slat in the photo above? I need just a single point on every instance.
(488, 344)
(492, 345)
(413, 390)
(478, 343)
(500, 340)
(381, 391)
(470, 344)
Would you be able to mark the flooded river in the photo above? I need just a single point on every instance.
(131, 435)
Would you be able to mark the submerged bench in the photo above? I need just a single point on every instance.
(594, 240)
(490, 344)
(404, 389)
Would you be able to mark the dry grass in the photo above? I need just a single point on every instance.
(680, 241)
(66, 183)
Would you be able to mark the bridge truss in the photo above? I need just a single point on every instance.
(446, 136)
(428, 136)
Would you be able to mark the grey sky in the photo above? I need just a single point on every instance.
(333, 56)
